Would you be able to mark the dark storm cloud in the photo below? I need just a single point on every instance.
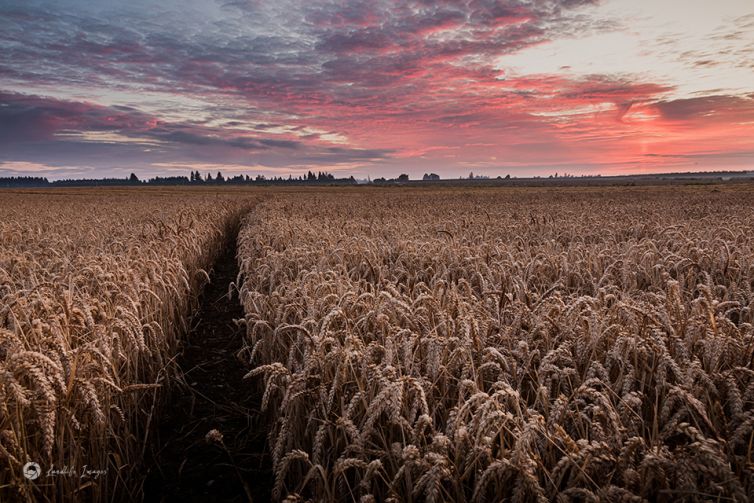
(49, 130)
(35, 118)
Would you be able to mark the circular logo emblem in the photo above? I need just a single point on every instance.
(32, 470)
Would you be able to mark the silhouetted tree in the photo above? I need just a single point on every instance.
(24, 181)
(168, 180)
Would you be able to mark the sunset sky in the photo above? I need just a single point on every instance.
(103, 88)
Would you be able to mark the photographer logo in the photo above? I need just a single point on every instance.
(32, 470)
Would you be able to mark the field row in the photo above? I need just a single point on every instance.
(407, 345)
(491, 345)
(95, 291)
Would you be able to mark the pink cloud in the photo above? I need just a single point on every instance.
(372, 85)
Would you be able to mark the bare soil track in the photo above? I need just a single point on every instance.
(186, 467)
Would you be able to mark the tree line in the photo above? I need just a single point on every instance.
(195, 178)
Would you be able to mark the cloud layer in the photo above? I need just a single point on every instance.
(359, 87)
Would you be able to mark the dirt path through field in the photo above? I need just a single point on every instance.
(187, 466)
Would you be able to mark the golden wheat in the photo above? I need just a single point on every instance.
(488, 345)
(95, 290)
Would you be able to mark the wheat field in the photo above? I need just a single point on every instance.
(95, 290)
(520, 345)
(431, 344)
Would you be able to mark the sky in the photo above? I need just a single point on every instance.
(375, 87)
